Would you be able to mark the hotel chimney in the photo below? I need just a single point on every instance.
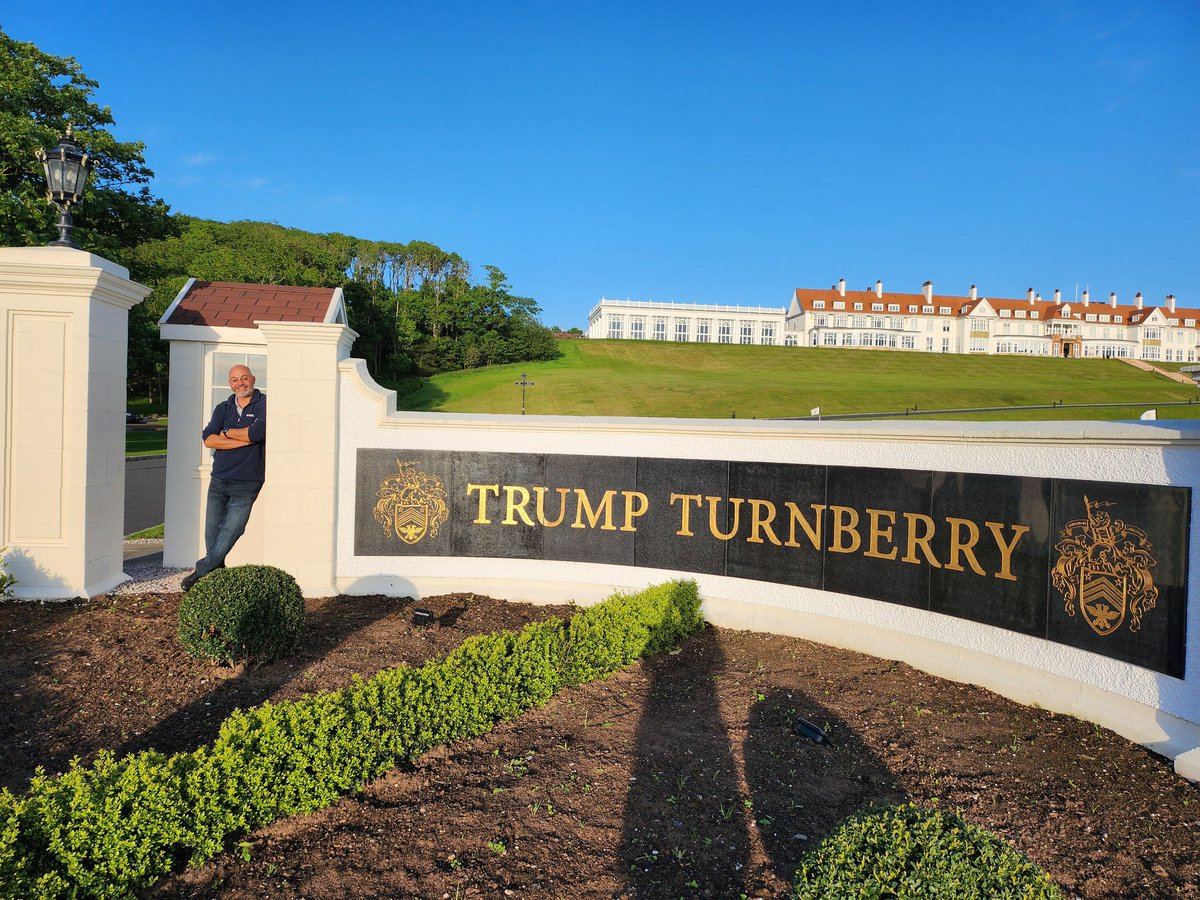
(927, 290)
(1085, 296)
(974, 293)
(1171, 302)
(842, 287)
(1137, 301)
(879, 288)
(1057, 296)
(1029, 295)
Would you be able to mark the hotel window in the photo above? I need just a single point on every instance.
(893, 307)
(839, 304)
(876, 321)
(681, 330)
(978, 345)
(768, 333)
(747, 333)
(822, 321)
(818, 304)
(1034, 315)
(860, 322)
(614, 326)
(944, 311)
(847, 338)
(908, 342)
(896, 323)
(1106, 318)
(892, 339)
(1006, 313)
(789, 340)
(1152, 334)
(928, 345)
(702, 331)
(945, 345)
(1090, 317)
(865, 339)
(876, 307)
(660, 329)
(858, 307)
(881, 339)
(830, 339)
(637, 328)
(839, 321)
(912, 308)
(725, 332)
(1020, 313)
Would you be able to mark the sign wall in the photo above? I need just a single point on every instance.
(1101, 566)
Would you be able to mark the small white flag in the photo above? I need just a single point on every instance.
(816, 411)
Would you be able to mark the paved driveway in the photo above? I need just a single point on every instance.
(145, 492)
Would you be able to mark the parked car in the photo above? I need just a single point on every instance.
(132, 418)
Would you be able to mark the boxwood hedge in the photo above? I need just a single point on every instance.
(113, 827)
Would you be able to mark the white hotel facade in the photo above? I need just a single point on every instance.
(921, 323)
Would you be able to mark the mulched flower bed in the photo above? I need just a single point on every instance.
(677, 777)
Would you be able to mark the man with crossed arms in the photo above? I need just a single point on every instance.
(237, 432)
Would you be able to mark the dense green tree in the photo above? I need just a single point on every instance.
(40, 95)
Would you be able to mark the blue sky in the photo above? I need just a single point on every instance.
(705, 152)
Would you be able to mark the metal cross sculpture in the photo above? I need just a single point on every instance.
(522, 384)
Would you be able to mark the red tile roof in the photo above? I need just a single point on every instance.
(227, 303)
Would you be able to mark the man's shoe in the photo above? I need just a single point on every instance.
(189, 582)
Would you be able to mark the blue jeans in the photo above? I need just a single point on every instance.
(229, 504)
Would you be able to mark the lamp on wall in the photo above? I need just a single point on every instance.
(66, 174)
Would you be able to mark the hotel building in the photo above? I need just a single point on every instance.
(921, 323)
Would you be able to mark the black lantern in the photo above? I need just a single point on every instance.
(66, 173)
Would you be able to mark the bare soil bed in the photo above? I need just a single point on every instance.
(677, 777)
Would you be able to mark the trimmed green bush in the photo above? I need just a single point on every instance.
(116, 826)
(247, 612)
(909, 851)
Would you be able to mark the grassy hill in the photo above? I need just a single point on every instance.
(647, 378)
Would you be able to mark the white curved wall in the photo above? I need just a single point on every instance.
(1155, 709)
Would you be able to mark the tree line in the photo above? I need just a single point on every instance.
(415, 306)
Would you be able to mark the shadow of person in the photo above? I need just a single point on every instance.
(802, 790)
(684, 831)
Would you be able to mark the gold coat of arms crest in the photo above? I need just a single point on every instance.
(411, 504)
(1104, 566)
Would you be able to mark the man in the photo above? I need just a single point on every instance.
(238, 434)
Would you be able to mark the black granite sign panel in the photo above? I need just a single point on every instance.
(1096, 565)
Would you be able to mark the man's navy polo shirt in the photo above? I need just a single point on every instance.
(242, 463)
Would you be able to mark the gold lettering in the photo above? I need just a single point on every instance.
(541, 506)
(593, 515)
(713, 503)
(759, 522)
(957, 545)
(685, 528)
(484, 490)
(632, 511)
(876, 533)
(840, 529)
(920, 540)
(1006, 550)
(813, 531)
(513, 506)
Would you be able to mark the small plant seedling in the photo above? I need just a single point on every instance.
(497, 847)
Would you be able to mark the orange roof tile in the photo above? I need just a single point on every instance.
(230, 304)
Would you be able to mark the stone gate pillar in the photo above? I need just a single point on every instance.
(300, 514)
(64, 326)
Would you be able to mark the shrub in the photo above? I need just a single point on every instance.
(914, 852)
(7, 579)
(114, 827)
(247, 612)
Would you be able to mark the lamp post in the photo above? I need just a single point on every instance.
(66, 173)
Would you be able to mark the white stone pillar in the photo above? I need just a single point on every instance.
(300, 498)
(64, 326)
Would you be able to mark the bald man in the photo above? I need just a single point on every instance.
(237, 432)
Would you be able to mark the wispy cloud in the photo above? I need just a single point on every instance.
(199, 158)
(255, 184)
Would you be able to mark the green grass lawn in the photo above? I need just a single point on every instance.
(146, 440)
(648, 378)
